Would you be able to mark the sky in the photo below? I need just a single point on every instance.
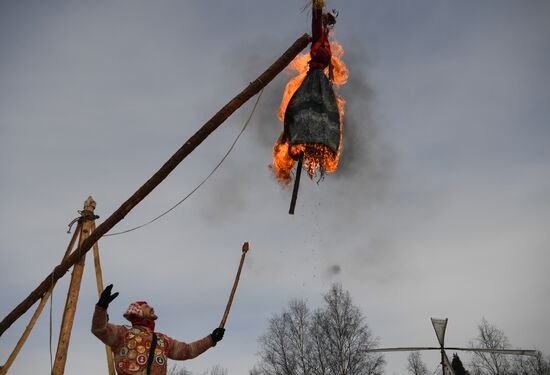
(440, 207)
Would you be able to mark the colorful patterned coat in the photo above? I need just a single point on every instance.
(131, 345)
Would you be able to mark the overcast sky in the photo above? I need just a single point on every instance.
(440, 208)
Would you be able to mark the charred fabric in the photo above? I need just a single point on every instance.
(311, 111)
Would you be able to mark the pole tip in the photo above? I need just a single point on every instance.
(245, 247)
(89, 204)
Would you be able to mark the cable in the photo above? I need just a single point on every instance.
(202, 182)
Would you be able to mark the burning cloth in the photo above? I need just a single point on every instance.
(312, 113)
(313, 116)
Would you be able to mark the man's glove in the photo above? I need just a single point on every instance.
(217, 335)
(106, 297)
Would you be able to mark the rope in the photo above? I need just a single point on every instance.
(84, 214)
(202, 182)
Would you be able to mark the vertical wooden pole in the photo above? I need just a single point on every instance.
(99, 283)
(87, 220)
(36, 315)
(296, 184)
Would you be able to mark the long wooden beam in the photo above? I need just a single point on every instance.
(252, 89)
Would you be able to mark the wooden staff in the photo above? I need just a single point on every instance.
(228, 307)
(188, 147)
(296, 184)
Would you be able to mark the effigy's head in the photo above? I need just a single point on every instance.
(329, 19)
(138, 311)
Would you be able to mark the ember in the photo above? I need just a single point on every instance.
(318, 157)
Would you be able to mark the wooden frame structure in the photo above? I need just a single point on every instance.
(85, 226)
(89, 235)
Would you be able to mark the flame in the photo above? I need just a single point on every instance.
(282, 162)
(316, 157)
(299, 65)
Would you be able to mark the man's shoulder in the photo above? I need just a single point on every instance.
(164, 339)
(161, 335)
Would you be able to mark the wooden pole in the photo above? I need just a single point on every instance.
(234, 289)
(36, 315)
(99, 283)
(296, 184)
(212, 124)
(442, 361)
(87, 221)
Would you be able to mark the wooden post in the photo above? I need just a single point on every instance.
(36, 315)
(188, 147)
(99, 283)
(87, 221)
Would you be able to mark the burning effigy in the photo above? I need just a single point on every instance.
(311, 110)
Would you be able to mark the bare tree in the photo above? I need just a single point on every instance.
(415, 365)
(531, 365)
(216, 370)
(331, 341)
(490, 337)
(175, 370)
(285, 345)
(341, 337)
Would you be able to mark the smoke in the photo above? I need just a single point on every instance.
(245, 62)
(226, 195)
(359, 129)
(334, 270)
(366, 158)
(268, 126)
(365, 155)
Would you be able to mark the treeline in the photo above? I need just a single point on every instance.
(333, 339)
(489, 337)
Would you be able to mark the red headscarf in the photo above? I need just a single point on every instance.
(320, 47)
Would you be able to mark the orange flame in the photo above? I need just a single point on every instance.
(316, 157)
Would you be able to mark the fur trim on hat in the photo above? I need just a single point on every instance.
(134, 311)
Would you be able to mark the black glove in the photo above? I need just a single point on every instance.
(217, 335)
(106, 297)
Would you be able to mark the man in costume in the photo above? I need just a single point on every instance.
(139, 350)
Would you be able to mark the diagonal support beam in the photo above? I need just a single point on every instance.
(188, 147)
(4, 369)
